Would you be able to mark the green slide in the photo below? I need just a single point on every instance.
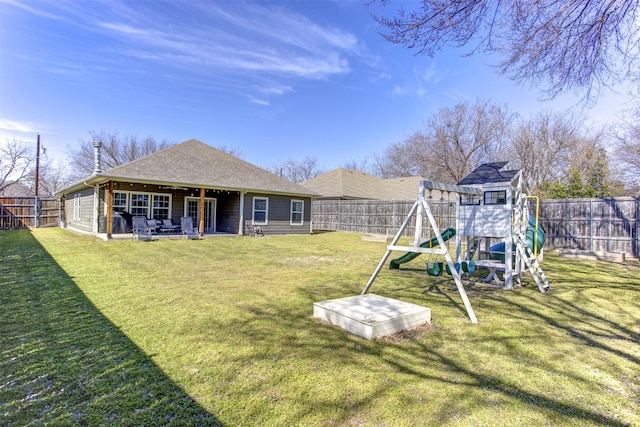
(446, 235)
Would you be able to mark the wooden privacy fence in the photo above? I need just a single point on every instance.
(28, 212)
(376, 216)
(609, 225)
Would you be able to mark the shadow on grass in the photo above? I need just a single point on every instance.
(417, 359)
(63, 363)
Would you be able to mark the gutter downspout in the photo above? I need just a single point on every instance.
(96, 209)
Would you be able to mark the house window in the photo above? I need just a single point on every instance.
(76, 207)
(140, 204)
(161, 206)
(260, 210)
(297, 212)
(495, 197)
(469, 199)
(119, 202)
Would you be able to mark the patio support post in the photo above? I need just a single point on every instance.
(241, 225)
(201, 226)
(110, 210)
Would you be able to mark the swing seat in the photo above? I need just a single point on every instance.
(434, 268)
(456, 265)
(469, 267)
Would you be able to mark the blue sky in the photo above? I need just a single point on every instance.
(274, 80)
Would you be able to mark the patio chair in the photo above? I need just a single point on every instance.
(139, 227)
(188, 230)
(152, 225)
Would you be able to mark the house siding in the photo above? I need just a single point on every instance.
(85, 198)
(228, 214)
(279, 214)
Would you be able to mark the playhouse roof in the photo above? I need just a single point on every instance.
(489, 173)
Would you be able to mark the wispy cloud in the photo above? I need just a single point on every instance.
(227, 41)
(253, 40)
(424, 81)
(237, 46)
(9, 125)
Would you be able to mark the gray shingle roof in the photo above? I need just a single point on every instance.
(489, 173)
(344, 183)
(195, 164)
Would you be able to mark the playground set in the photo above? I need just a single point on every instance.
(493, 232)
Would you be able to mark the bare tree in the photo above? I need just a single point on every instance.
(230, 149)
(298, 171)
(116, 151)
(16, 161)
(466, 136)
(358, 165)
(626, 153)
(454, 142)
(411, 157)
(53, 178)
(542, 146)
(567, 44)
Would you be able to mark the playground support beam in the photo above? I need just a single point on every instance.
(430, 185)
(393, 242)
(422, 206)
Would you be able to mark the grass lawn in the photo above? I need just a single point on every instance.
(219, 332)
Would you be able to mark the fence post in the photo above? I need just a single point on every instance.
(591, 224)
(365, 205)
(36, 212)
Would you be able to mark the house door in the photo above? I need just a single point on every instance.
(192, 209)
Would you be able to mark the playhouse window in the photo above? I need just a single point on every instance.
(495, 197)
(469, 199)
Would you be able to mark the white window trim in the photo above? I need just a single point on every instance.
(291, 222)
(494, 200)
(169, 208)
(126, 202)
(150, 206)
(253, 211)
(76, 207)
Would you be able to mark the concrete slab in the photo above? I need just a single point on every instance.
(370, 316)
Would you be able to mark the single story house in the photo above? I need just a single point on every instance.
(222, 194)
(347, 184)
